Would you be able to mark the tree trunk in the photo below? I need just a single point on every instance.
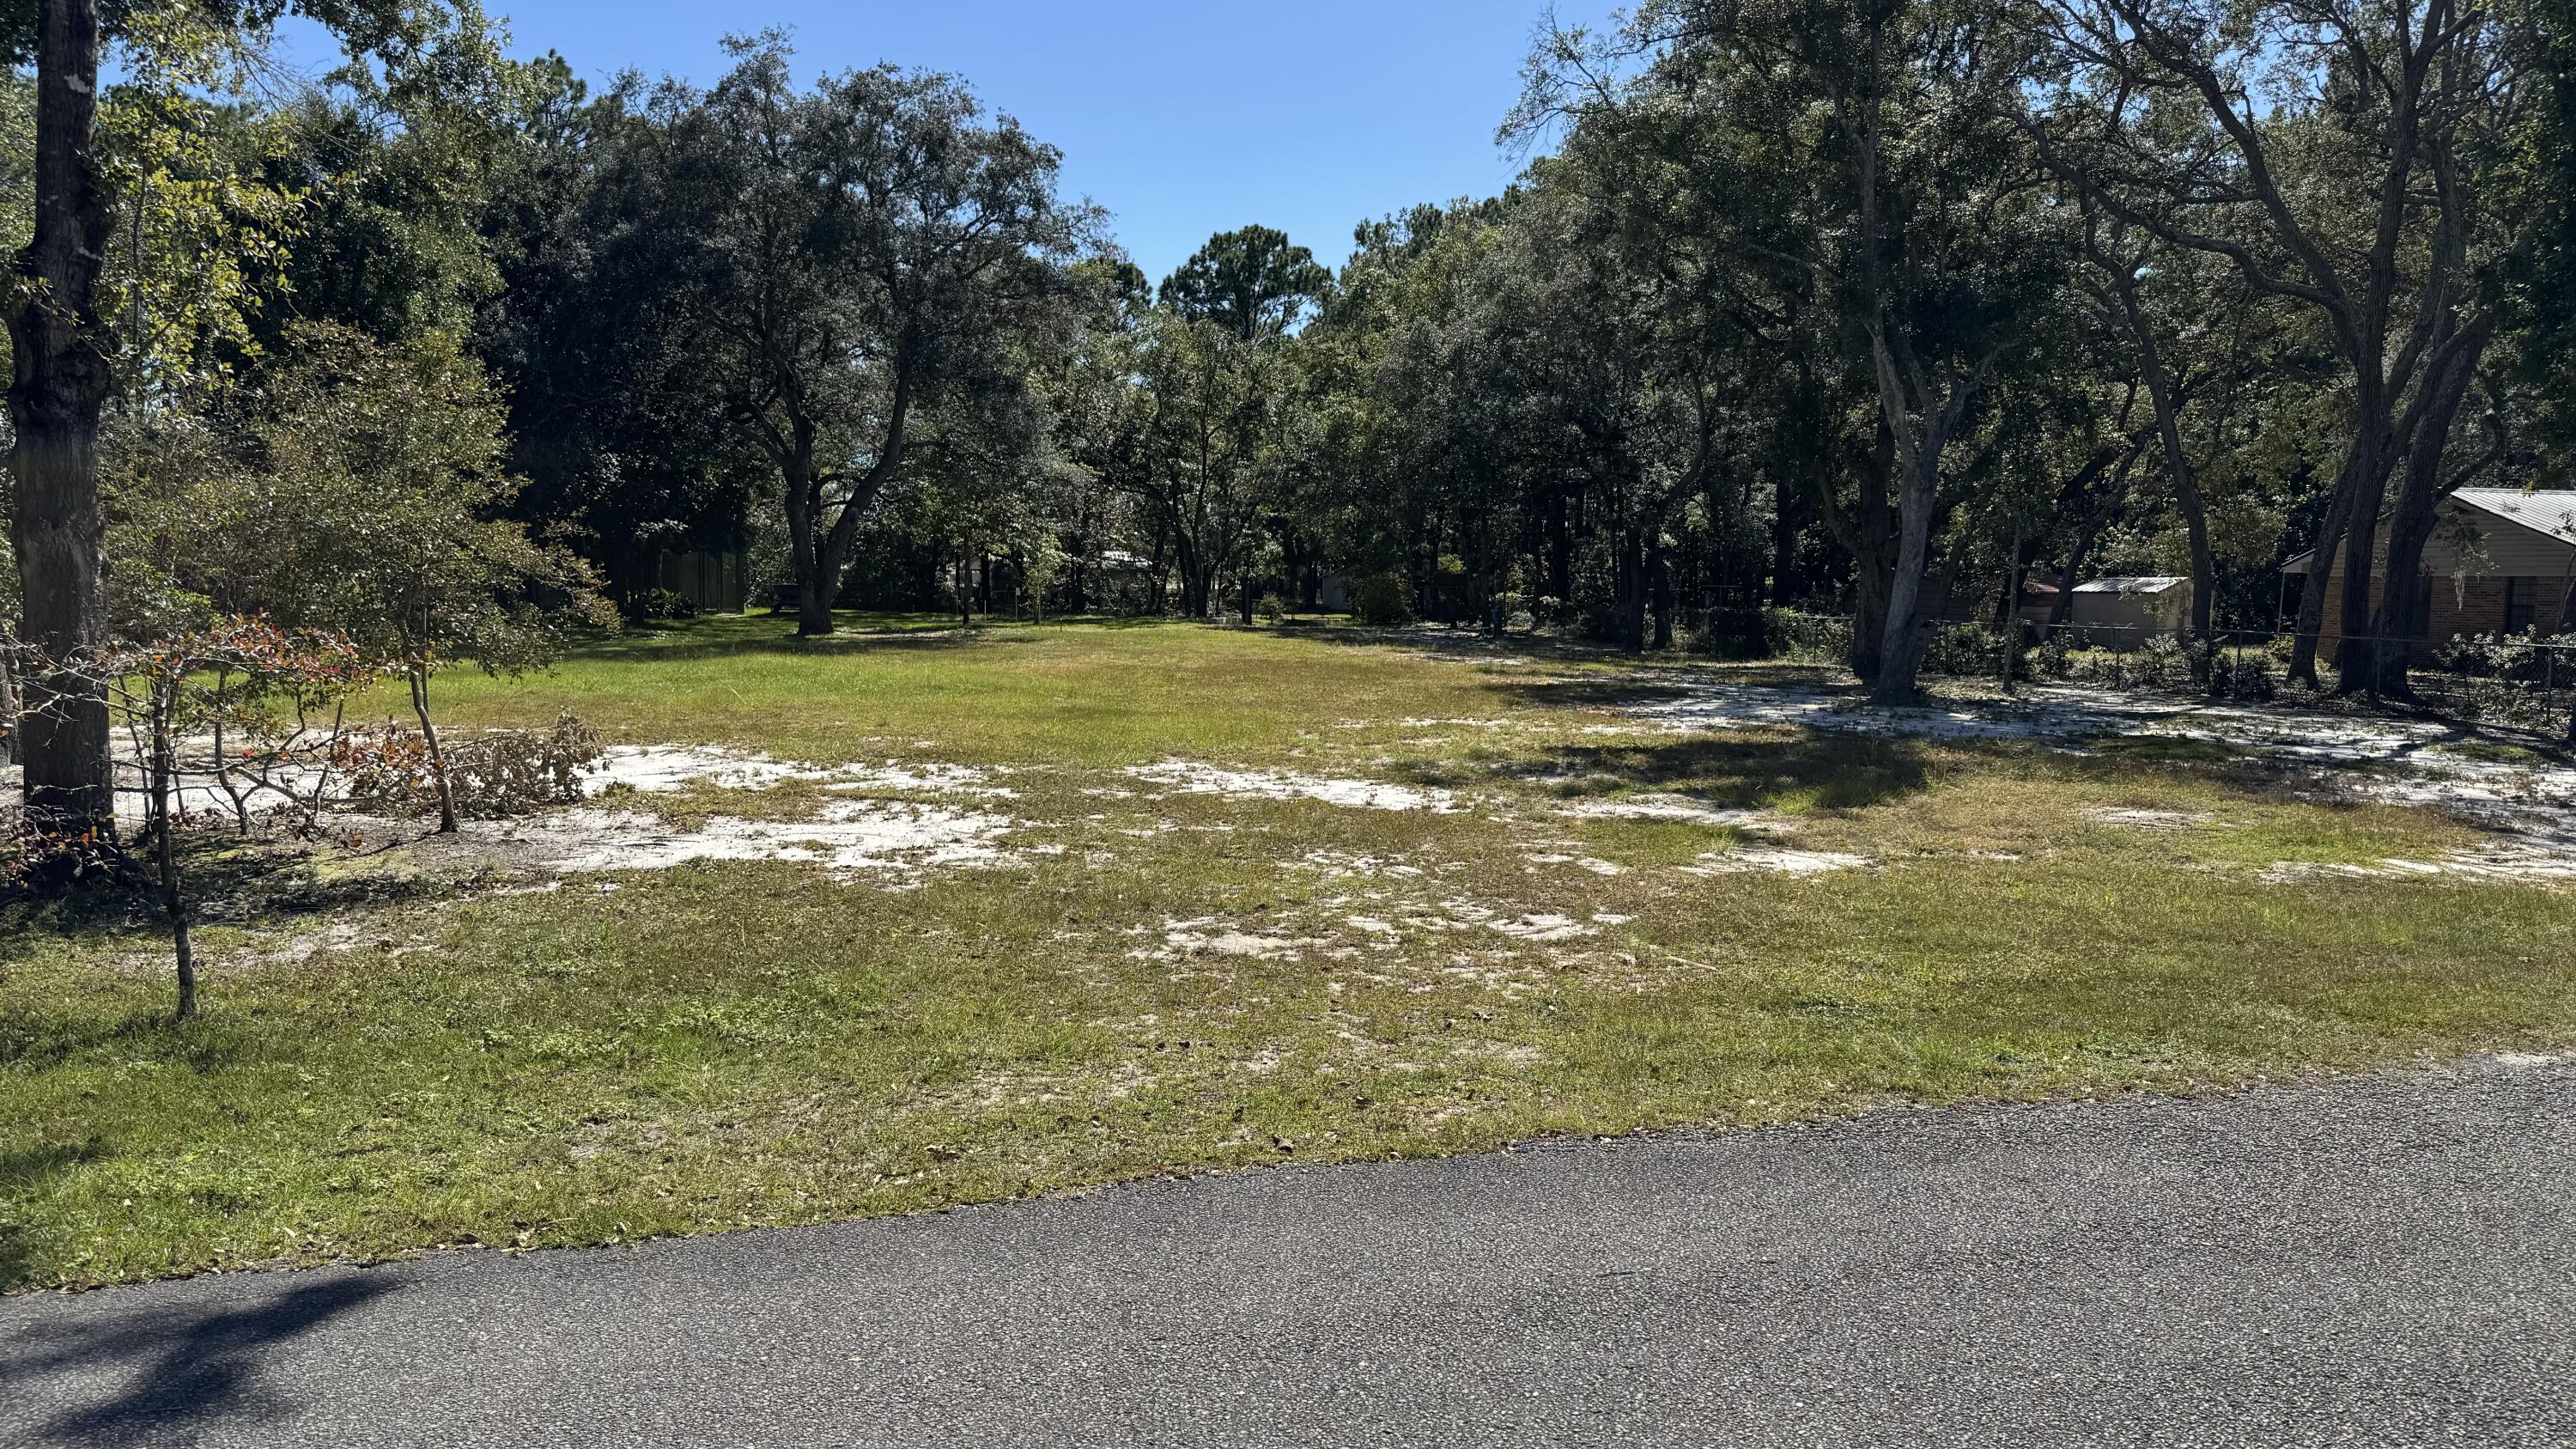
(1900, 662)
(2353, 652)
(2168, 403)
(804, 547)
(814, 594)
(9, 723)
(1659, 590)
(2308, 628)
(419, 677)
(1560, 551)
(1632, 591)
(1869, 615)
(2204, 565)
(1867, 533)
(2410, 528)
(1788, 510)
(2016, 574)
(174, 905)
(60, 349)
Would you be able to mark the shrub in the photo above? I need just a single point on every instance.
(1795, 634)
(1964, 650)
(656, 606)
(2510, 679)
(1600, 619)
(1382, 599)
(1731, 633)
(2243, 674)
(493, 776)
(1272, 607)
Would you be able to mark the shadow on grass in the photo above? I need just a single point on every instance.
(1467, 646)
(738, 635)
(1614, 692)
(666, 650)
(22, 1172)
(1823, 771)
(181, 1374)
(36, 1041)
(270, 883)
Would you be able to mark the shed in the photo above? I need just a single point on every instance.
(713, 580)
(2122, 614)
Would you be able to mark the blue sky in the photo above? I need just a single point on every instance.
(1183, 119)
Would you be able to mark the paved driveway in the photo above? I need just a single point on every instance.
(2383, 1261)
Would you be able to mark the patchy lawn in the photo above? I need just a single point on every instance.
(1232, 898)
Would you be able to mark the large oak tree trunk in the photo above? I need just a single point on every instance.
(61, 382)
(2419, 501)
(1900, 657)
(2354, 652)
(2308, 628)
(1867, 532)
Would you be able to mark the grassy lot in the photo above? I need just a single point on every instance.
(1153, 980)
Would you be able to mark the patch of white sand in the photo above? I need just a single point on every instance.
(2170, 820)
(2374, 759)
(1748, 860)
(1344, 865)
(1579, 862)
(2513, 859)
(1540, 926)
(666, 769)
(1191, 777)
(1212, 936)
(1679, 809)
(847, 837)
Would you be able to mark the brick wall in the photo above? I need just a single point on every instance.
(2463, 607)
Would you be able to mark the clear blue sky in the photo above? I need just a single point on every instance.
(1182, 118)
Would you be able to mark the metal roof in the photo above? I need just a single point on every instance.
(2552, 513)
(2154, 584)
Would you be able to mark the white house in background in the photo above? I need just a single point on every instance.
(2122, 614)
(2500, 561)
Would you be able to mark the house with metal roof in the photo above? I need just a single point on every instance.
(2501, 560)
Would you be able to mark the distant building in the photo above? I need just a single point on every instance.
(2123, 614)
(717, 581)
(2500, 561)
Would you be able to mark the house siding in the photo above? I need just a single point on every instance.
(2460, 609)
(2468, 565)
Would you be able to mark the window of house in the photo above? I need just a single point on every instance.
(2521, 604)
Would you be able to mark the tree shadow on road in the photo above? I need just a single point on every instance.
(183, 1371)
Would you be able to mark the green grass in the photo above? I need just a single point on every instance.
(754, 1043)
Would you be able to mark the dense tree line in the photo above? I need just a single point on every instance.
(1874, 306)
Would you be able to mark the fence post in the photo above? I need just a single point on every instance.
(2549, 689)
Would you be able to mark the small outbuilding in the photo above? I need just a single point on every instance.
(714, 580)
(2123, 614)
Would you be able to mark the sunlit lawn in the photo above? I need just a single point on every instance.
(751, 1043)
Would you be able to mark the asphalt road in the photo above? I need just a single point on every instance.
(2385, 1261)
